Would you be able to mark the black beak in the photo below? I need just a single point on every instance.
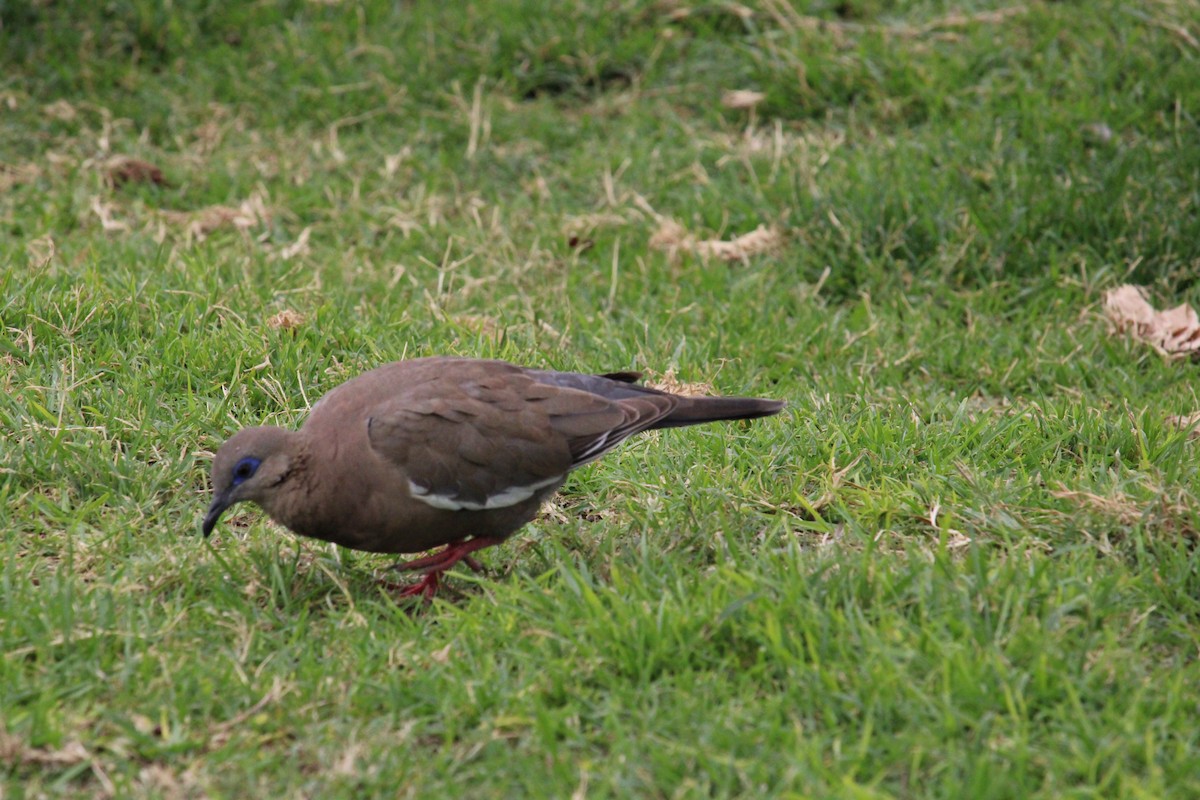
(219, 504)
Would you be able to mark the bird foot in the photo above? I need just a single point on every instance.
(426, 587)
(436, 564)
(445, 559)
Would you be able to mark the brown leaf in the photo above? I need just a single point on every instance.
(582, 245)
(287, 320)
(1174, 332)
(1186, 422)
(121, 170)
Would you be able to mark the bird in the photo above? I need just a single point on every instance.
(443, 451)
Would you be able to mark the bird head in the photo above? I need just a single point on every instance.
(250, 466)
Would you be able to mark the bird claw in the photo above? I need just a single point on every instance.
(435, 564)
(424, 588)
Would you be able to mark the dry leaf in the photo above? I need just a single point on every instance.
(742, 99)
(287, 320)
(1175, 332)
(673, 237)
(669, 383)
(1187, 422)
(121, 170)
(441, 655)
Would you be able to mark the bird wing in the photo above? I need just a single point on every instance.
(481, 436)
(597, 412)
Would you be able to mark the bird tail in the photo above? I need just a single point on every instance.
(695, 410)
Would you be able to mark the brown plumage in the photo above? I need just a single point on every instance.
(443, 451)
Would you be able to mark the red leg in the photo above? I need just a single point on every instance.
(431, 561)
(437, 563)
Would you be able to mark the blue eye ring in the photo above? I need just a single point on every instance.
(244, 469)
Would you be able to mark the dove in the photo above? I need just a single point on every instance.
(456, 453)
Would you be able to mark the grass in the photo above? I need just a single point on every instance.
(962, 564)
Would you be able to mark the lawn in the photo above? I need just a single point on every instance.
(962, 563)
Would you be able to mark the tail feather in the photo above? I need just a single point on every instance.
(623, 386)
(695, 410)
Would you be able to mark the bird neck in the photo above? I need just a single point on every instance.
(286, 498)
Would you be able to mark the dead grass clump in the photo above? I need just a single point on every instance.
(674, 238)
(41, 252)
(584, 225)
(488, 327)
(17, 174)
(1166, 513)
(197, 225)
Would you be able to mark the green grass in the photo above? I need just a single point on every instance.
(962, 564)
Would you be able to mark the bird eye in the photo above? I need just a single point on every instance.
(244, 469)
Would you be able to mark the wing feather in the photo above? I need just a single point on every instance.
(485, 436)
